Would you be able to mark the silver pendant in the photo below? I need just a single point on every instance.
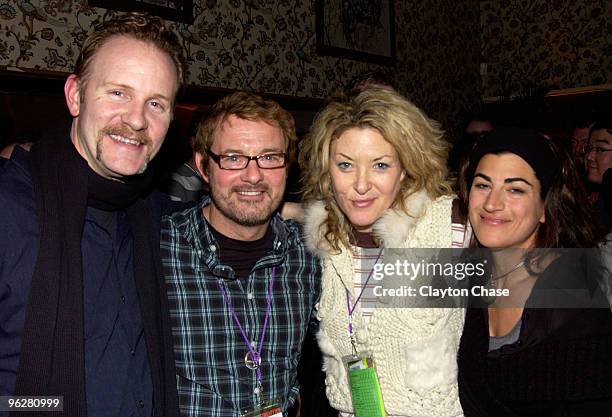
(252, 360)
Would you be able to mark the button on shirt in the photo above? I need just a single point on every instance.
(116, 360)
(212, 378)
(118, 382)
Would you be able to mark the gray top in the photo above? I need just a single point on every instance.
(496, 342)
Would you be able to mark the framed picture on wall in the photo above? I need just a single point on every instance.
(178, 10)
(363, 30)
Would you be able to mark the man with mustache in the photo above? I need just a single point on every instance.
(241, 285)
(83, 312)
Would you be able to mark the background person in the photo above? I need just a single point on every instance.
(184, 183)
(475, 124)
(598, 164)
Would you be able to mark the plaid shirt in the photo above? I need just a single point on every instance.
(212, 378)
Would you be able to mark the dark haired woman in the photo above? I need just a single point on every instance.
(531, 354)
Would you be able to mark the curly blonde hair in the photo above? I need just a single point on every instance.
(418, 140)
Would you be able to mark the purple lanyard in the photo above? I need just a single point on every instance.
(351, 310)
(255, 359)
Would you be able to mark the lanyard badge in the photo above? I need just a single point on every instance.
(252, 358)
(360, 368)
(365, 388)
(271, 409)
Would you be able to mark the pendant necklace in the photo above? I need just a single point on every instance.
(514, 268)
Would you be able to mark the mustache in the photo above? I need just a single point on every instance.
(127, 132)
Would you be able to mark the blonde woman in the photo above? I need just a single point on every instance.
(375, 177)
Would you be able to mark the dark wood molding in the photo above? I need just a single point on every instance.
(184, 13)
(38, 83)
(51, 83)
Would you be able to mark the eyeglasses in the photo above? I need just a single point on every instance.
(236, 161)
(597, 149)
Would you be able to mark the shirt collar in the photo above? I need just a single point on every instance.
(207, 247)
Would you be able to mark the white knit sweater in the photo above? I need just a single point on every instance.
(414, 348)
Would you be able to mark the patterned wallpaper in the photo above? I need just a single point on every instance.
(270, 46)
(539, 44)
(438, 67)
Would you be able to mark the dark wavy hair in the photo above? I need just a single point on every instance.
(570, 221)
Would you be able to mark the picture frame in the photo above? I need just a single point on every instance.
(177, 10)
(363, 30)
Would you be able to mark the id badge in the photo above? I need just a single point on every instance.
(269, 409)
(365, 389)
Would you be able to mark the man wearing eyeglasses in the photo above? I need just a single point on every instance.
(599, 151)
(241, 285)
(598, 165)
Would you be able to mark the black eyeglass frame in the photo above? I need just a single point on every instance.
(598, 149)
(217, 158)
